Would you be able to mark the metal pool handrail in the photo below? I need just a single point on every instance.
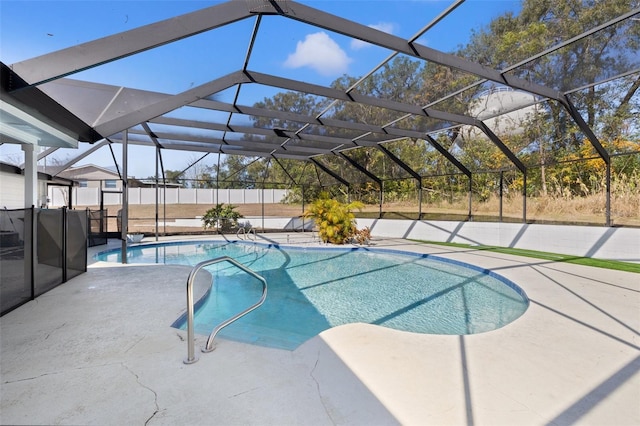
(191, 358)
(246, 233)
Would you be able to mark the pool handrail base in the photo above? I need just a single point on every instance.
(191, 357)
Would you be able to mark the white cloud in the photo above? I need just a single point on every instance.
(423, 41)
(382, 26)
(319, 52)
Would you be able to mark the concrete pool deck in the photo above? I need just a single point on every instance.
(99, 349)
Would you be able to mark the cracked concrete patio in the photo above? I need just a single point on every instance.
(100, 350)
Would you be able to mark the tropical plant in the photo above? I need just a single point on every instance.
(362, 236)
(335, 220)
(224, 217)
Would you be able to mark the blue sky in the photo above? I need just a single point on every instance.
(29, 28)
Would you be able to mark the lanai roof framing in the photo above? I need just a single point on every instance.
(145, 109)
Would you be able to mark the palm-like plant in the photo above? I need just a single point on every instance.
(335, 220)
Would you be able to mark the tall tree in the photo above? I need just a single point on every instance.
(607, 108)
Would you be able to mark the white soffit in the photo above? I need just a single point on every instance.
(17, 126)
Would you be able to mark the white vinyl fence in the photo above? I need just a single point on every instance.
(59, 196)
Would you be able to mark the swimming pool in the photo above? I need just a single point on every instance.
(314, 288)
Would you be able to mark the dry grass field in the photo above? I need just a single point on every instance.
(584, 210)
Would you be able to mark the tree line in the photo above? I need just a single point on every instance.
(559, 157)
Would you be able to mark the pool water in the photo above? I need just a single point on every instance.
(313, 289)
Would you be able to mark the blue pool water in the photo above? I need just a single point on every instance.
(313, 289)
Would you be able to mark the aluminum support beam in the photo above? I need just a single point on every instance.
(124, 218)
(453, 160)
(289, 116)
(371, 176)
(83, 56)
(572, 40)
(219, 149)
(113, 156)
(502, 147)
(171, 103)
(326, 142)
(192, 164)
(586, 129)
(602, 152)
(282, 133)
(87, 55)
(458, 165)
(157, 190)
(327, 92)
(268, 147)
(158, 145)
(79, 157)
(330, 172)
(363, 170)
(152, 136)
(153, 113)
(401, 163)
(46, 153)
(515, 160)
(300, 12)
(409, 170)
(164, 194)
(286, 172)
(244, 167)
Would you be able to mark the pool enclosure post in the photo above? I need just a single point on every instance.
(595, 142)
(381, 199)
(608, 194)
(501, 191)
(264, 179)
(217, 200)
(453, 160)
(420, 200)
(524, 196)
(164, 197)
(124, 225)
(157, 189)
(371, 176)
(470, 190)
(409, 170)
(513, 158)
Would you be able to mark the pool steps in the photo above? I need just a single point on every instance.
(191, 357)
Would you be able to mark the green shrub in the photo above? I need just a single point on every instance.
(223, 217)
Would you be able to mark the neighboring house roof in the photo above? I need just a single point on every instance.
(10, 168)
(13, 169)
(89, 172)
